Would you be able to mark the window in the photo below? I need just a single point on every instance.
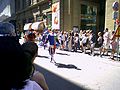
(88, 17)
(28, 2)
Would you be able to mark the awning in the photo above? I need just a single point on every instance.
(38, 26)
(27, 26)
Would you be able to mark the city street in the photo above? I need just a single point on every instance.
(87, 72)
(83, 24)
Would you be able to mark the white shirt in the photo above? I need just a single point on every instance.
(106, 36)
(32, 85)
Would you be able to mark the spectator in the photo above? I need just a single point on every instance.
(31, 50)
(100, 42)
(70, 42)
(92, 42)
(106, 42)
(76, 39)
(85, 41)
(17, 68)
(114, 44)
(30, 36)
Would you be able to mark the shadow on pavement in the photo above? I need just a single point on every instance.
(56, 82)
(69, 66)
(62, 54)
(42, 56)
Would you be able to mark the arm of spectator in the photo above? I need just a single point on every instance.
(40, 79)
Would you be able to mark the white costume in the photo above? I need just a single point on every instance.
(31, 85)
(106, 38)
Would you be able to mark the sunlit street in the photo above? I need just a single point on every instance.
(96, 73)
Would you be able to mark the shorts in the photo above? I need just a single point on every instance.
(51, 50)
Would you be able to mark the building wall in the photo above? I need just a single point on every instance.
(109, 22)
(66, 16)
(7, 9)
(27, 11)
(69, 10)
(72, 13)
(75, 13)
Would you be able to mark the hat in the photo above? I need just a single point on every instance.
(7, 29)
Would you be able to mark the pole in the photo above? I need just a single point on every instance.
(118, 48)
(118, 44)
(118, 35)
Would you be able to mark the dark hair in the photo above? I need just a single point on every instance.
(106, 29)
(113, 32)
(30, 47)
(14, 66)
(31, 36)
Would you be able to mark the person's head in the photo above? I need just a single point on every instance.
(76, 35)
(113, 32)
(99, 34)
(7, 29)
(31, 36)
(30, 49)
(106, 30)
(14, 66)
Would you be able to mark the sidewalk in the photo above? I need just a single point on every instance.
(96, 73)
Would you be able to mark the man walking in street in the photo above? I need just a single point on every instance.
(52, 38)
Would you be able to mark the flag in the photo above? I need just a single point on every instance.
(117, 32)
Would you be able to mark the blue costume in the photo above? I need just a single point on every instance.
(52, 38)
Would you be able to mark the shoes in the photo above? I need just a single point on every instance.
(112, 58)
(52, 60)
(100, 55)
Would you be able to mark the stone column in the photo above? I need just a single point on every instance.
(76, 13)
(67, 13)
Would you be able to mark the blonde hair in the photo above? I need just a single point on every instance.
(99, 33)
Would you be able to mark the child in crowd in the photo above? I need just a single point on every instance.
(31, 50)
(106, 42)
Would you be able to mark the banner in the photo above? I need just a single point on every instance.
(56, 16)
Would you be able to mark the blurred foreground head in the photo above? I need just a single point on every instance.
(14, 66)
(7, 29)
(30, 49)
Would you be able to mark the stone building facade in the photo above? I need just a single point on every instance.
(81, 14)
(29, 11)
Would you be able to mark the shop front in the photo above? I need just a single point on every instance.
(88, 17)
(85, 14)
